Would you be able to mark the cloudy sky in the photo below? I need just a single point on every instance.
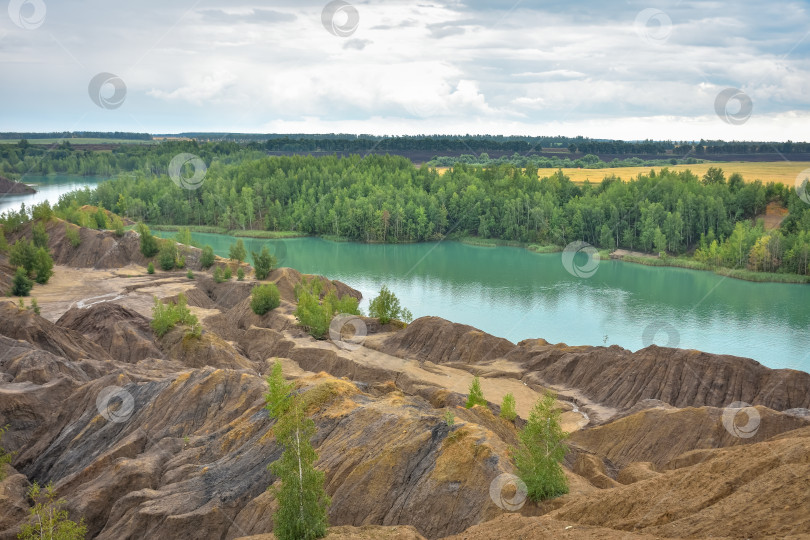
(623, 69)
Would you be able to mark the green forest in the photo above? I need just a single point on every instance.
(707, 221)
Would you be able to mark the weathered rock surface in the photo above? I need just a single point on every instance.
(124, 334)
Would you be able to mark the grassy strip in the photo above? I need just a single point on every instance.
(193, 228)
(546, 249)
(746, 275)
(265, 234)
(487, 242)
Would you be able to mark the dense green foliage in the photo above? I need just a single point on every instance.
(167, 255)
(387, 199)
(166, 316)
(302, 500)
(263, 263)
(36, 261)
(150, 268)
(22, 284)
(219, 275)
(264, 298)
(508, 411)
(40, 237)
(476, 395)
(240, 274)
(49, 519)
(540, 451)
(386, 306)
(315, 309)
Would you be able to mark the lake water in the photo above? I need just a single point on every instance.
(49, 188)
(516, 294)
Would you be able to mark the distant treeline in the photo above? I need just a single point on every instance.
(121, 135)
(388, 199)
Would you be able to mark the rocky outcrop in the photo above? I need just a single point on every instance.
(10, 187)
(610, 376)
(123, 333)
(25, 325)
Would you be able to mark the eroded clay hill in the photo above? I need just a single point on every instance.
(168, 438)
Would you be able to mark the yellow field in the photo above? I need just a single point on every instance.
(784, 172)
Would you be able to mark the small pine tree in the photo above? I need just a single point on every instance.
(150, 268)
(21, 285)
(190, 274)
(508, 408)
(35, 306)
(449, 417)
(42, 265)
(540, 451)
(263, 263)
(149, 244)
(49, 519)
(40, 236)
(237, 251)
(218, 277)
(240, 274)
(476, 395)
(302, 500)
(207, 257)
(227, 274)
(279, 391)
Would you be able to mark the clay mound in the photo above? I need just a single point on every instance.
(206, 350)
(10, 187)
(98, 249)
(27, 326)
(22, 362)
(123, 333)
(366, 532)
(440, 341)
(684, 378)
(745, 491)
(658, 435)
(544, 528)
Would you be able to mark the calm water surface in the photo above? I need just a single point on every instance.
(49, 188)
(516, 294)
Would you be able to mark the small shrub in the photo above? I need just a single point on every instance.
(150, 268)
(166, 316)
(21, 304)
(476, 395)
(72, 235)
(167, 255)
(21, 285)
(118, 226)
(449, 417)
(40, 236)
(190, 274)
(226, 275)
(34, 305)
(218, 275)
(149, 244)
(207, 257)
(386, 307)
(42, 266)
(263, 263)
(240, 274)
(264, 298)
(237, 251)
(508, 408)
